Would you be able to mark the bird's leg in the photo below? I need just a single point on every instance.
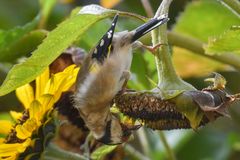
(126, 76)
(151, 49)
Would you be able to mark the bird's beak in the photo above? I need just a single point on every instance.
(103, 47)
(149, 26)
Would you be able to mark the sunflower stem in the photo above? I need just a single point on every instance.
(169, 83)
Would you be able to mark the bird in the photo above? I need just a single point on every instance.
(103, 74)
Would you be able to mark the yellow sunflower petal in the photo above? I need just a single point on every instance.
(6, 126)
(35, 110)
(2, 140)
(25, 95)
(47, 101)
(25, 130)
(15, 115)
(22, 132)
(13, 148)
(69, 69)
(71, 79)
(65, 81)
(41, 82)
(50, 86)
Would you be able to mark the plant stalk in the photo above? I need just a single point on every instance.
(134, 153)
(196, 46)
(171, 155)
(143, 141)
(169, 83)
(162, 56)
(233, 5)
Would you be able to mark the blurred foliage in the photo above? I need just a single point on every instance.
(205, 20)
(225, 43)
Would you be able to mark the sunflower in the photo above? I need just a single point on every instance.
(38, 103)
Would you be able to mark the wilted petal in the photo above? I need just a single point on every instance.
(25, 95)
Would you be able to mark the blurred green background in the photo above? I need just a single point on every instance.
(219, 140)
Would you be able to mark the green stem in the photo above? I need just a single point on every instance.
(196, 46)
(143, 141)
(233, 5)
(134, 153)
(169, 83)
(171, 155)
(162, 56)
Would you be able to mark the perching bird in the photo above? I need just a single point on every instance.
(103, 74)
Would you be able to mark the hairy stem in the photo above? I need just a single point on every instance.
(162, 56)
(233, 5)
(196, 46)
(169, 83)
(171, 155)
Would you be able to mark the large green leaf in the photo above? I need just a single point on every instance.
(205, 18)
(229, 42)
(9, 39)
(27, 44)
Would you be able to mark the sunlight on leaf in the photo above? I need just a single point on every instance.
(228, 42)
(188, 64)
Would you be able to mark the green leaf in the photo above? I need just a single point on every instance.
(228, 42)
(102, 151)
(26, 44)
(205, 18)
(9, 39)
